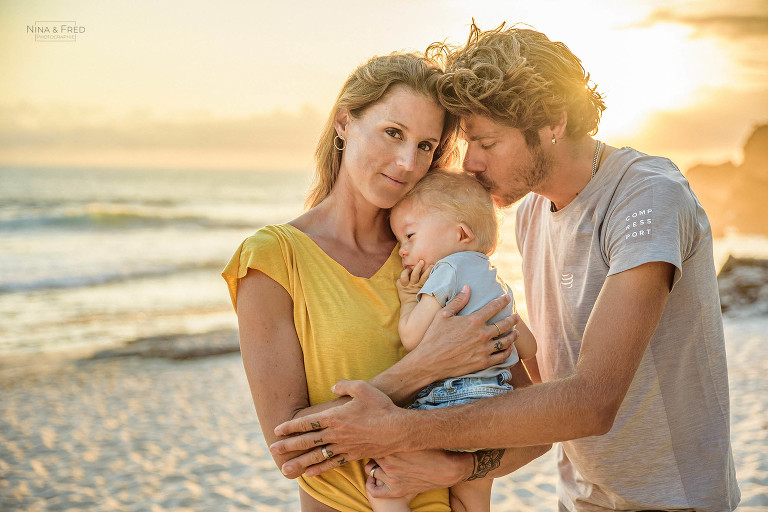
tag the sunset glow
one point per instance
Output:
(248, 84)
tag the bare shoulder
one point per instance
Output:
(309, 222)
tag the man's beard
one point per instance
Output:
(531, 177)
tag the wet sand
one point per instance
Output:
(152, 434)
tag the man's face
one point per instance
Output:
(501, 160)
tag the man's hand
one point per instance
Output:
(369, 425)
(411, 281)
(404, 474)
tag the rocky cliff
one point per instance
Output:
(736, 196)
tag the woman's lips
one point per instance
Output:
(393, 180)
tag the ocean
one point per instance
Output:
(99, 257)
(91, 258)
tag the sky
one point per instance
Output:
(247, 84)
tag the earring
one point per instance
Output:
(554, 140)
(343, 143)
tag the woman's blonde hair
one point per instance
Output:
(518, 78)
(460, 196)
(364, 87)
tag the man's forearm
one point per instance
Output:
(536, 415)
(499, 462)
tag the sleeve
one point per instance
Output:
(442, 283)
(653, 219)
(266, 251)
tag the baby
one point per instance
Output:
(448, 222)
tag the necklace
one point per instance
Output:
(596, 158)
(595, 161)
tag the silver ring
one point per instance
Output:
(325, 453)
(372, 471)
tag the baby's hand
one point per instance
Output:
(411, 281)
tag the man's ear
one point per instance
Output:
(341, 121)
(466, 235)
(555, 131)
(558, 129)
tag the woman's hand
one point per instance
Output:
(405, 474)
(458, 345)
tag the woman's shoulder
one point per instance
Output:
(270, 250)
(272, 246)
(270, 235)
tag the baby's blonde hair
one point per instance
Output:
(462, 197)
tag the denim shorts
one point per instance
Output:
(461, 390)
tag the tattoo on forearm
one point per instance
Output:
(315, 424)
(342, 461)
(485, 462)
(318, 441)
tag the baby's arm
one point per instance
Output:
(415, 315)
(525, 343)
(526, 349)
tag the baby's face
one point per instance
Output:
(424, 234)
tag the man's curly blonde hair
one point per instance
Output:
(518, 78)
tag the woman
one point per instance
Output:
(316, 298)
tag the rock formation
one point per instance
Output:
(743, 285)
(735, 196)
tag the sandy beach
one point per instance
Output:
(138, 433)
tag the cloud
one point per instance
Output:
(722, 25)
(710, 131)
(38, 133)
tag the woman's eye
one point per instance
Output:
(488, 146)
(394, 133)
(425, 146)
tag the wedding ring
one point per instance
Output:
(497, 328)
(326, 454)
(372, 471)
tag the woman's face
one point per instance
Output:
(390, 146)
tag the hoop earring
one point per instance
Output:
(554, 140)
(343, 143)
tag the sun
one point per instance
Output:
(647, 70)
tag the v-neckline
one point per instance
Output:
(342, 267)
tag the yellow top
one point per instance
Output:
(347, 328)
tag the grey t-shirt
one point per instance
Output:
(473, 268)
(669, 446)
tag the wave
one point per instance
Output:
(110, 216)
(100, 279)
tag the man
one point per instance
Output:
(621, 292)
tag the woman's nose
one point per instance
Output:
(407, 159)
